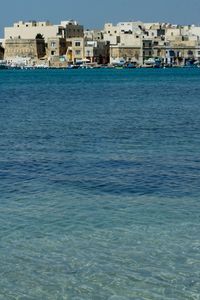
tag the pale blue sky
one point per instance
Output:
(93, 14)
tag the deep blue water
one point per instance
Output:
(100, 184)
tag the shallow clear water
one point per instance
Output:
(100, 184)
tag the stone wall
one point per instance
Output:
(32, 48)
(129, 54)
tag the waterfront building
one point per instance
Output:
(22, 40)
(72, 29)
(125, 41)
(56, 47)
(29, 30)
(97, 51)
(24, 48)
(127, 54)
(56, 52)
(75, 50)
(135, 42)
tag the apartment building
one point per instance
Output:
(94, 35)
(97, 51)
(125, 41)
(76, 50)
(56, 47)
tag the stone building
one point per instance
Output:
(147, 46)
(56, 47)
(75, 50)
(56, 52)
(29, 30)
(128, 54)
(94, 35)
(72, 29)
(126, 41)
(97, 51)
(24, 48)
(21, 39)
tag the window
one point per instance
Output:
(53, 44)
(52, 52)
(78, 52)
(199, 52)
(77, 44)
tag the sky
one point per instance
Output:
(93, 13)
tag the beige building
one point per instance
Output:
(24, 48)
(97, 52)
(56, 52)
(22, 40)
(128, 54)
(29, 30)
(76, 50)
(122, 32)
(93, 35)
(56, 47)
(127, 40)
(72, 29)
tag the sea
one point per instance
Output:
(100, 184)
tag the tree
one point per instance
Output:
(39, 36)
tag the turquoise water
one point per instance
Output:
(100, 184)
